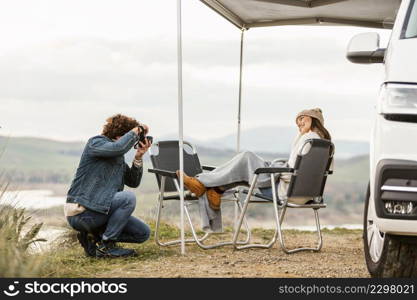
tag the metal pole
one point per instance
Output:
(242, 35)
(180, 123)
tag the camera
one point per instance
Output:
(142, 137)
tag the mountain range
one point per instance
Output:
(271, 140)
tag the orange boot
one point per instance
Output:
(193, 185)
(214, 198)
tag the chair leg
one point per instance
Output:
(200, 243)
(196, 239)
(245, 207)
(245, 224)
(319, 238)
(158, 220)
(173, 242)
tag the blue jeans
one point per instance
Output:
(118, 225)
(267, 192)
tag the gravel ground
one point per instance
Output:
(341, 256)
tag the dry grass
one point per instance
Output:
(341, 256)
(16, 236)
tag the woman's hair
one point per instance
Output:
(320, 129)
(118, 125)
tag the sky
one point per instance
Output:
(65, 66)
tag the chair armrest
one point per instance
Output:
(163, 173)
(208, 168)
(273, 170)
(280, 160)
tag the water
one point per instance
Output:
(32, 199)
(41, 199)
(330, 227)
(37, 199)
(270, 224)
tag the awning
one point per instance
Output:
(247, 14)
(262, 13)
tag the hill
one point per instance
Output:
(33, 163)
(274, 140)
(28, 159)
(44, 160)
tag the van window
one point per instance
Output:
(410, 28)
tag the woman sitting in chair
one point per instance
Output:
(240, 169)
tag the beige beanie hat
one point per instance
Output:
(314, 113)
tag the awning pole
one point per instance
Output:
(242, 35)
(180, 123)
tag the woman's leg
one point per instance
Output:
(267, 192)
(240, 168)
(229, 186)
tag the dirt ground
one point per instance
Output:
(341, 256)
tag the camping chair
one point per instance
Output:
(165, 161)
(308, 178)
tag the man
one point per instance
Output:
(96, 204)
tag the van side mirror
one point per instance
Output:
(364, 48)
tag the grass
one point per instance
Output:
(66, 258)
(337, 230)
(340, 230)
(16, 237)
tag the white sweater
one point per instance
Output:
(285, 178)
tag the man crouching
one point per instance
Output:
(96, 204)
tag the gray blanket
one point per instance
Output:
(239, 169)
(211, 220)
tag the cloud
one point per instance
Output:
(67, 79)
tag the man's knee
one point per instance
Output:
(146, 232)
(129, 199)
(143, 233)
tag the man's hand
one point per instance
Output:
(137, 130)
(144, 146)
(145, 127)
(142, 149)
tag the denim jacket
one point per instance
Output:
(102, 172)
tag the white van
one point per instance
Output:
(390, 215)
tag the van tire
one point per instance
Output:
(401, 258)
(399, 253)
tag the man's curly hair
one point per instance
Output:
(118, 125)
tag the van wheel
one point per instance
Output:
(387, 255)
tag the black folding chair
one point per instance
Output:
(165, 161)
(308, 178)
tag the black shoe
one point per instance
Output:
(88, 242)
(110, 249)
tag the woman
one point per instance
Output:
(240, 169)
